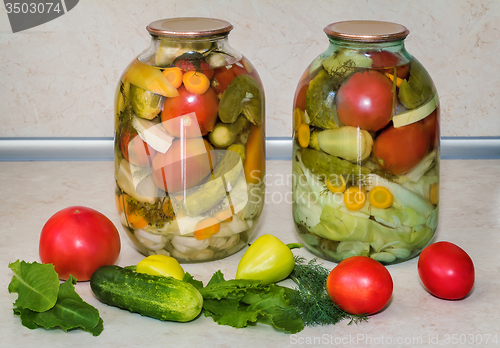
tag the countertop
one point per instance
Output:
(469, 217)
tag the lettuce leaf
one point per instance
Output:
(37, 285)
(242, 302)
(67, 312)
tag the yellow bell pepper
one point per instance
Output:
(161, 265)
(150, 78)
(267, 259)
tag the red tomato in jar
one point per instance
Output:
(360, 285)
(190, 115)
(446, 270)
(399, 150)
(135, 150)
(299, 100)
(77, 241)
(225, 75)
(222, 79)
(431, 125)
(300, 97)
(389, 60)
(365, 100)
(185, 164)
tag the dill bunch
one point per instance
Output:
(310, 298)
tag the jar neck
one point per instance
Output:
(393, 46)
(163, 50)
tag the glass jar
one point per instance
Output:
(366, 147)
(189, 143)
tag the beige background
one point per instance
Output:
(59, 79)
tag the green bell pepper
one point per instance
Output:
(267, 259)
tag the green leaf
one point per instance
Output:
(44, 302)
(418, 89)
(320, 100)
(217, 277)
(27, 317)
(277, 311)
(241, 302)
(70, 312)
(234, 288)
(37, 285)
(229, 312)
(188, 278)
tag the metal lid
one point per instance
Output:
(189, 27)
(366, 31)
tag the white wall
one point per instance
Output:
(59, 79)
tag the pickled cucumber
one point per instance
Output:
(245, 96)
(321, 163)
(225, 134)
(146, 104)
(225, 175)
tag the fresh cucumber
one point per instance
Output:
(159, 297)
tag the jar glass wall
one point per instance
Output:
(366, 147)
(189, 143)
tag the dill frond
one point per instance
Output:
(310, 298)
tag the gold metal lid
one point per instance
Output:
(366, 31)
(189, 27)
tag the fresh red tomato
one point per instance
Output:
(389, 60)
(77, 241)
(365, 100)
(431, 125)
(189, 113)
(446, 270)
(185, 164)
(360, 285)
(135, 150)
(399, 150)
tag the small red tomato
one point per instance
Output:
(446, 271)
(224, 76)
(365, 100)
(398, 150)
(388, 61)
(190, 114)
(360, 285)
(77, 241)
